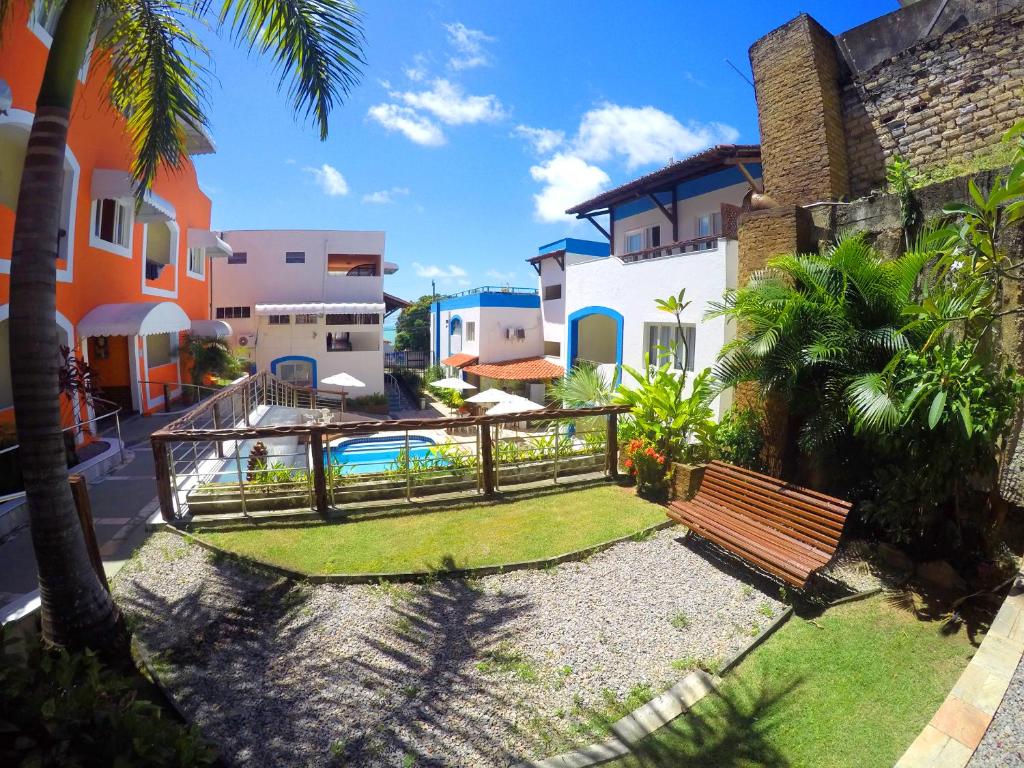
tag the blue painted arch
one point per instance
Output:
(574, 334)
(453, 322)
(296, 358)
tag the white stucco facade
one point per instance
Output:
(492, 333)
(306, 304)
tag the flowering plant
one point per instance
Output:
(649, 467)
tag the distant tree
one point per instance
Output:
(412, 331)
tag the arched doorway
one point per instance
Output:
(595, 335)
(455, 335)
(295, 369)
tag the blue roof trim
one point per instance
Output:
(687, 189)
(576, 245)
(515, 300)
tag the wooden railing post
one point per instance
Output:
(316, 448)
(488, 458)
(167, 398)
(162, 472)
(80, 493)
(613, 445)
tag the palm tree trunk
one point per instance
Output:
(76, 610)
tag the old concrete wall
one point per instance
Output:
(943, 100)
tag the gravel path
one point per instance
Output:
(457, 672)
(1002, 746)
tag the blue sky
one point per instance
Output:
(477, 123)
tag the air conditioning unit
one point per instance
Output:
(509, 333)
(520, 333)
(247, 340)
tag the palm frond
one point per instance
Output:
(155, 81)
(872, 403)
(315, 44)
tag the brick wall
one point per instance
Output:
(941, 101)
(803, 150)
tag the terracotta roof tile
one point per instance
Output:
(528, 369)
(460, 359)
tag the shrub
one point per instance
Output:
(367, 401)
(650, 468)
(64, 709)
(411, 380)
(739, 438)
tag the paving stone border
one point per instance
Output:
(956, 729)
(415, 576)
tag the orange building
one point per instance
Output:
(130, 282)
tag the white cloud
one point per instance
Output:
(643, 135)
(435, 271)
(330, 180)
(385, 196)
(447, 102)
(414, 126)
(567, 181)
(502, 277)
(469, 46)
(417, 71)
(543, 140)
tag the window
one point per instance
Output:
(358, 319)
(642, 239)
(238, 257)
(553, 348)
(232, 313)
(294, 257)
(279, 319)
(112, 223)
(46, 15)
(552, 292)
(471, 331)
(664, 344)
(161, 349)
(197, 261)
(306, 319)
(708, 225)
(299, 372)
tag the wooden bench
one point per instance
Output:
(782, 529)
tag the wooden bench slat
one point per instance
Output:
(770, 565)
(815, 536)
(765, 536)
(780, 494)
(784, 530)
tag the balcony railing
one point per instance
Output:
(493, 289)
(696, 245)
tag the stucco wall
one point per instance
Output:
(491, 344)
(631, 289)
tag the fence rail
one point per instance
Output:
(207, 462)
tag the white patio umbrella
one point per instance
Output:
(515, 405)
(452, 383)
(342, 380)
(491, 395)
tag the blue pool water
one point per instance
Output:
(376, 454)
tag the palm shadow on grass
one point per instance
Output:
(268, 681)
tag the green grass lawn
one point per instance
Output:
(853, 687)
(526, 528)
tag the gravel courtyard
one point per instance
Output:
(456, 672)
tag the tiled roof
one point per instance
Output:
(460, 359)
(703, 162)
(528, 369)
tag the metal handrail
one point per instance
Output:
(79, 425)
(492, 289)
(166, 385)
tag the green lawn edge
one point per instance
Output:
(502, 533)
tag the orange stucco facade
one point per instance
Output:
(94, 273)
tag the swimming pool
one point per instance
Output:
(363, 455)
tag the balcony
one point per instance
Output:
(696, 245)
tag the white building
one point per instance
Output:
(493, 337)
(306, 304)
(674, 228)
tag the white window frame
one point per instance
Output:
(713, 222)
(175, 246)
(550, 286)
(293, 254)
(307, 318)
(46, 37)
(95, 241)
(189, 254)
(23, 120)
(672, 330)
(641, 233)
(470, 330)
(279, 319)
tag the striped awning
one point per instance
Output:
(210, 329)
(204, 238)
(118, 185)
(321, 308)
(143, 318)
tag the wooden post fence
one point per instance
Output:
(80, 493)
(613, 445)
(162, 473)
(316, 447)
(487, 455)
